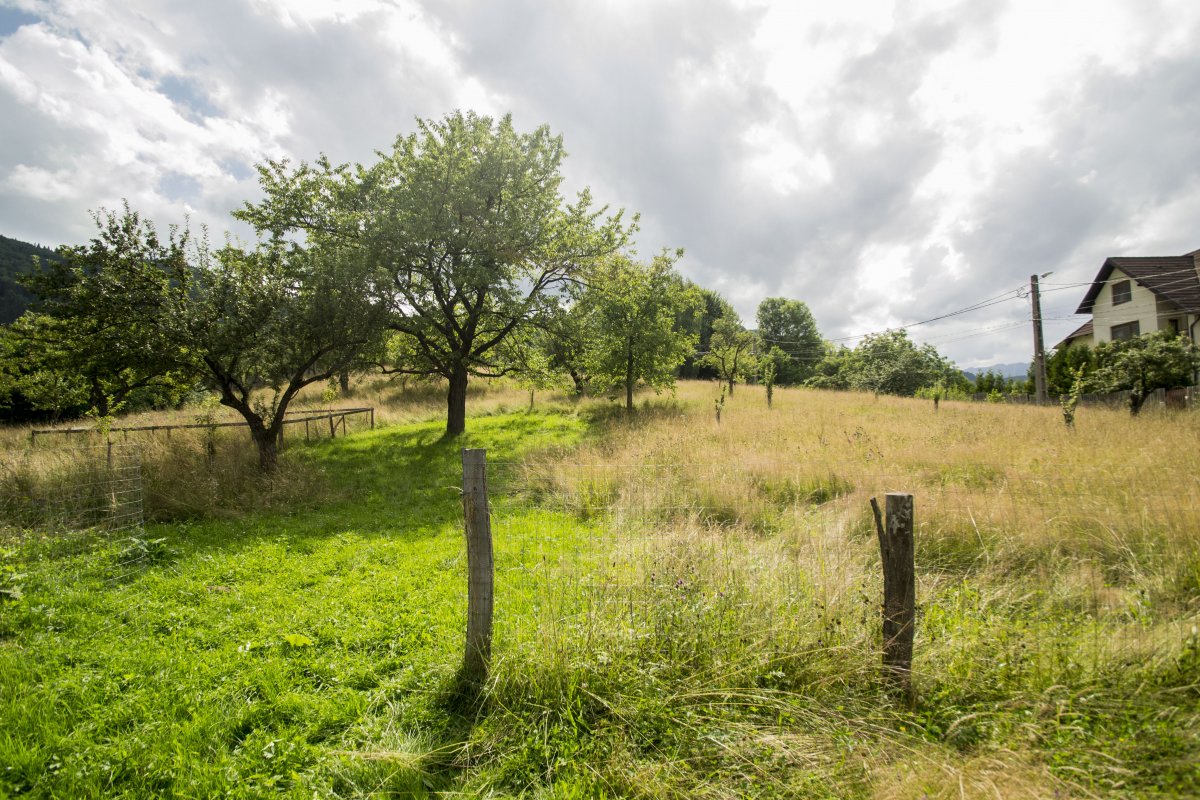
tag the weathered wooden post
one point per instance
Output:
(899, 589)
(480, 573)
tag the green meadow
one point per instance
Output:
(684, 609)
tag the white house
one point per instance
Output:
(1132, 296)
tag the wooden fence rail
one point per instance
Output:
(335, 416)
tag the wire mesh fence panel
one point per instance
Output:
(96, 490)
(71, 519)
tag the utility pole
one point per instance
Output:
(1039, 347)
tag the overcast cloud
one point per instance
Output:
(884, 162)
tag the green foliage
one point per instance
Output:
(988, 381)
(268, 322)
(1063, 364)
(1140, 365)
(464, 223)
(11, 576)
(789, 325)
(731, 352)
(699, 322)
(145, 550)
(1070, 400)
(111, 317)
(769, 371)
(885, 363)
(630, 313)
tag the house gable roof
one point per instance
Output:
(1083, 330)
(1173, 278)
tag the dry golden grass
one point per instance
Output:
(201, 472)
(1056, 568)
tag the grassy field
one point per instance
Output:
(684, 609)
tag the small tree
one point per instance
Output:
(769, 370)
(629, 314)
(890, 363)
(1070, 400)
(1142, 364)
(699, 321)
(1064, 363)
(731, 351)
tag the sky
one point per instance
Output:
(887, 163)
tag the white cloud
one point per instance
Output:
(884, 161)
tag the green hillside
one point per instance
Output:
(16, 258)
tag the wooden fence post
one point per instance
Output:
(899, 589)
(480, 574)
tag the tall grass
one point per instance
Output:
(205, 473)
(684, 609)
(733, 565)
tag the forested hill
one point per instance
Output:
(16, 258)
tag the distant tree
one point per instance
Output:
(464, 222)
(109, 317)
(1063, 364)
(731, 351)
(1140, 365)
(886, 363)
(789, 325)
(699, 322)
(989, 381)
(630, 313)
(832, 371)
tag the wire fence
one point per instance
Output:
(81, 508)
(690, 560)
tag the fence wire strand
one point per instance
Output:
(776, 556)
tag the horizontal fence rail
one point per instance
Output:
(335, 417)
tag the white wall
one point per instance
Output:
(1142, 306)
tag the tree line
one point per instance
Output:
(453, 255)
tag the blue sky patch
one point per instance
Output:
(11, 19)
(188, 94)
(179, 188)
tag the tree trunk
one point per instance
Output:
(344, 382)
(267, 441)
(730, 387)
(99, 399)
(1136, 398)
(629, 381)
(456, 402)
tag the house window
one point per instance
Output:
(1126, 331)
(1173, 326)
(1122, 293)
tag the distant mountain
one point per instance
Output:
(16, 258)
(1007, 370)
